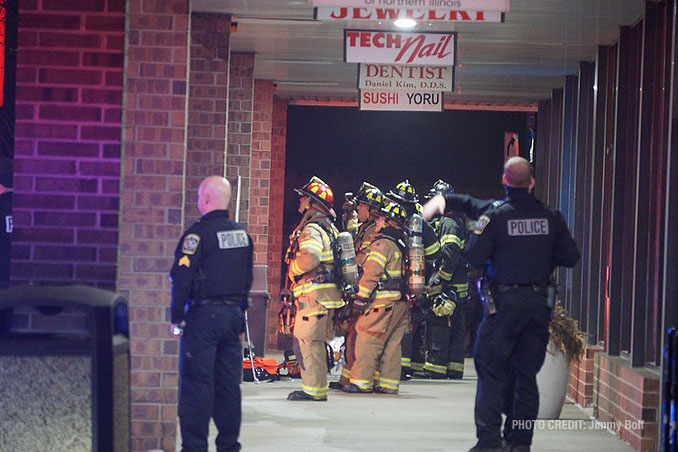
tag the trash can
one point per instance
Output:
(256, 314)
(68, 389)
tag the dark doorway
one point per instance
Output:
(345, 146)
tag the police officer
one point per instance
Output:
(314, 287)
(519, 242)
(384, 312)
(212, 276)
(414, 342)
(445, 330)
(368, 201)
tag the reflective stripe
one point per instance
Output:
(405, 362)
(435, 368)
(332, 304)
(417, 366)
(432, 249)
(451, 238)
(346, 373)
(314, 392)
(310, 287)
(435, 290)
(389, 384)
(294, 268)
(364, 292)
(456, 366)
(395, 274)
(387, 294)
(311, 245)
(362, 384)
(444, 275)
(376, 257)
(327, 256)
(461, 287)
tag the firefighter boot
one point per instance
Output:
(354, 389)
(301, 396)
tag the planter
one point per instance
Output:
(553, 380)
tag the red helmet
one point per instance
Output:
(319, 192)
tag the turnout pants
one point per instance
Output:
(379, 333)
(312, 327)
(210, 370)
(509, 351)
(445, 344)
(349, 352)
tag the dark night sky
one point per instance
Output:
(345, 146)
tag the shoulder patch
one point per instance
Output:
(481, 224)
(190, 244)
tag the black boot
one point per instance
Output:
(354, 389)
(301, 396)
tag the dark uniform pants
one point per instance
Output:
(211, 369)
(509, 351)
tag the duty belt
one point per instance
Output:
(525, 288)
(214, 301)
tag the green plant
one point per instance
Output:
(566, 335)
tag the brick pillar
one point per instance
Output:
(276, 242)
(151, 216)
(208, 88)
(239, 139)
(260, 169)
(68, 133)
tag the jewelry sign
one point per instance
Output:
(463, 5)
(430, 15)
(370, 46)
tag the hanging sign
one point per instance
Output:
(463, 5)
(378, 100)
(430, 15)
(370, 46)
(402, 77)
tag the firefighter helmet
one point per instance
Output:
(373, 197)
(396, 212)
(404, 192)
(440, 188)
(319, 192)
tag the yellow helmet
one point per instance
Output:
(396, 212)
(404, 192)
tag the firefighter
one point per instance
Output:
(314, 287)
(445, 332)
(413, 355)
(384, 312)
(368, 201)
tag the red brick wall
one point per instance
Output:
(153, 197)
(68, 134)
(208, 89)
(582, 378)
(239, 139)
(260, 170)
(276, 242)
(629, 397)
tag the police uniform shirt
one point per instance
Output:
(213, 260)
(521, 241)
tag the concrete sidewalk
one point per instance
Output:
(427, 415)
